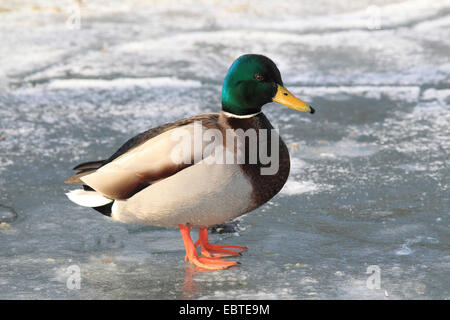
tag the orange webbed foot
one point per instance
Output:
(215, 250)
(208, 263)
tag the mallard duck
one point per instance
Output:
(144, 182)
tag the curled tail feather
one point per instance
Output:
(84, 169)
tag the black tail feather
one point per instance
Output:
(105, 210)
(89, 165)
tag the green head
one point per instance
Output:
(252, 81)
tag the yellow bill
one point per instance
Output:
(284, 97)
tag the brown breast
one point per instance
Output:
(265, 186)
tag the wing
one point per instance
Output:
(146, 159)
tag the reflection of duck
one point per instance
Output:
(191, 288)
(141, 183)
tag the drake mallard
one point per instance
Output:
(157, 180)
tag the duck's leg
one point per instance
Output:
(214, 250)
(201, 262)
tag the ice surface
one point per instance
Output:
(369, 183)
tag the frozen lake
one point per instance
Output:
(369, 183)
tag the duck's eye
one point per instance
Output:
(259, 77)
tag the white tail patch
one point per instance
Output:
(85, 198)
(114, 210)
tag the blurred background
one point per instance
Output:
(369, 183)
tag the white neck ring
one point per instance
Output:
(232, 115)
